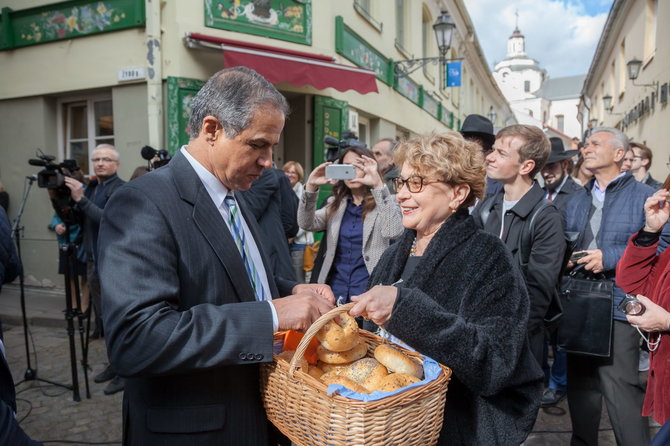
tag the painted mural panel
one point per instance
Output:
(289, 20)
(68, 20)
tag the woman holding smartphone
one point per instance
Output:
(361, 218)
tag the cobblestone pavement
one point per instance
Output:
(48, 413)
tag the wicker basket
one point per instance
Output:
(299, 406)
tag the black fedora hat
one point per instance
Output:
(479, 126)
(558, 152)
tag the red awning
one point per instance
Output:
(295, 67)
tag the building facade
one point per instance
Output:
(78, 73)
(635, 33)
(535, 97)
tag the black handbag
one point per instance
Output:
(586, 326)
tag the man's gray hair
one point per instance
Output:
(393, 144)
(231, 96)
(620, 141)
(108, 147)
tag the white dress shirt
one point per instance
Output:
(218, 192)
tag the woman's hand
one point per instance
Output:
(370, 170)
(317, 178)
(656, 211)
(375, 304)
(654, 318)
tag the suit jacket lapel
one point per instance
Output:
(209, 222)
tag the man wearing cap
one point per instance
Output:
(479, 130)
(559, 187)
(518, 154)
(558, 184)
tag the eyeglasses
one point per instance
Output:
(414, 183)
(103, 160)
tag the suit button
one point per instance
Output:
(258, 357)
(242, 356)
(250, 356)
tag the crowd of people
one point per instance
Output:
(453, 244)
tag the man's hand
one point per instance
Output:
(318, 288)
(76, 188)
(60, 229)
(375, 304)
(593, 260)
(656, 211)
(655, 317)
(299, 311)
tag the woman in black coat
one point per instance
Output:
(452, 292)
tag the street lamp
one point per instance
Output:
(607, 102)
(492, 115)
(444, 28)
(634, 65)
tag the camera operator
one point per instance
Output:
(91, 201)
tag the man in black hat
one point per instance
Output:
(558, 184)
(479, 130)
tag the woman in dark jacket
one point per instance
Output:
(452, 291)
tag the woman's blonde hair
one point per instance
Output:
(298, 169)
(446, 156)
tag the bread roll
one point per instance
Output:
(328, 367)
(315, 372)
(288, 355)
(357, 352)
(367, 372)
(343, 380)
(395, 381)
(339, 336)
(398, 362)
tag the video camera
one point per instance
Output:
(53, 175)
(334, 146)
(149, 153)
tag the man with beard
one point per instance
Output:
(558, 184)
(559, 187)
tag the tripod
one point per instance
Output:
(30, 374)
(73, 293)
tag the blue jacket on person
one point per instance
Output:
(623, 216)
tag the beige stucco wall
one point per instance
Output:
(35, 78)
(653, 127)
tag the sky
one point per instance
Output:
(561, 35)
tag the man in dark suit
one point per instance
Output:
(275, 206)
(190, 304)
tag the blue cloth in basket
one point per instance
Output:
(431, 370)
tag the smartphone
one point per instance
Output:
(340, 172)
(577, 255)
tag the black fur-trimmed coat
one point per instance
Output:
(466, 306)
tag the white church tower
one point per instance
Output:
(534, 97)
